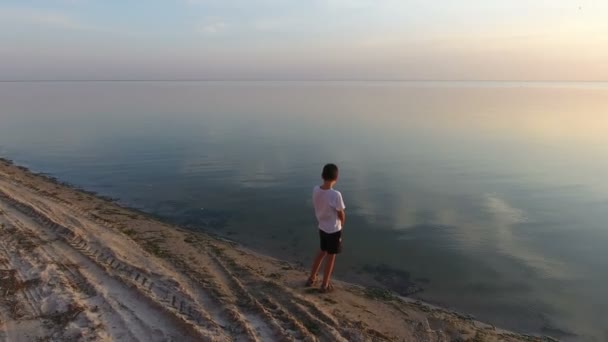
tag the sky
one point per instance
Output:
(304, 39)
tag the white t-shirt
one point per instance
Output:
(327, 203)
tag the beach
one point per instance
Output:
(76, 266)
(159, 162)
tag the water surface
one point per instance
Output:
(491, 197)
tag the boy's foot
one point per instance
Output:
(326, 288)
(310, 282)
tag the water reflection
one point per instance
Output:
(491, 198)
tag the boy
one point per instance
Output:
(329, 209)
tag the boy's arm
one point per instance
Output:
(339, 205)
(341, 217)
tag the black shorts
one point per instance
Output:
(331, 243)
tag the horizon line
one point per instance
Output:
(292, 80)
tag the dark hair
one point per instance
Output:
(330, 172)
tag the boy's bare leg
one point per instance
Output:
(329, 268)
(317, 264)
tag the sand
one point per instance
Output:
(74, 266)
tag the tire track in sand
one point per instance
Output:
(299, 313)
(146, 318)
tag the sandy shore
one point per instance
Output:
(77, 267)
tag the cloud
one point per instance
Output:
(212, 27)
(230, 3)
(354, 4)
(43, 18)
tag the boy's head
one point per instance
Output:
(330, 172)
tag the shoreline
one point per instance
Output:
(217, 288)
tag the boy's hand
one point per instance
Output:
(341, 217)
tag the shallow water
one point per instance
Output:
(491, 197)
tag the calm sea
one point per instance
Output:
(489, 198)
